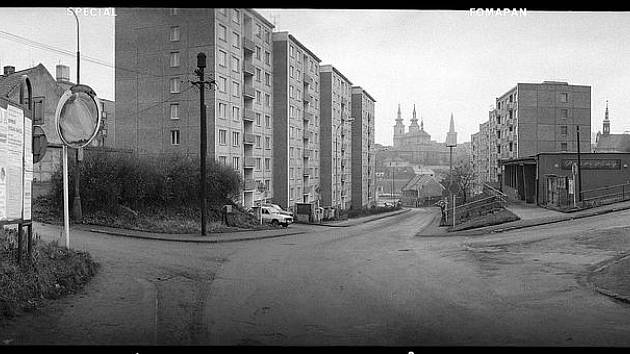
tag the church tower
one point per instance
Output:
(413, 127)
(399, 129)
(606, 130)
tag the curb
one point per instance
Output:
(122, 234)
(362, 222)
(604, 291)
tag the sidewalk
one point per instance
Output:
(221, 237)
(612, 279)
(530, 216)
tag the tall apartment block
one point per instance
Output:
(335, 138)
(533, 118)
(157, 108)
(296, 122)
(363, 158)
(483, 157)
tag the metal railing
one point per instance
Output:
(606, 195)
(474, 209)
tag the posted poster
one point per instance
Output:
(28, 168)
(15, 172)
(3, 164)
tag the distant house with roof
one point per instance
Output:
(47, 90)
(607, 142)
(421, 190)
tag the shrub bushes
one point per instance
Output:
(111, 180)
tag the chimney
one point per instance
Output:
(63, 72)
(8, 70)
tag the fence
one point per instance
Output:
(468, 211)
(605, 195)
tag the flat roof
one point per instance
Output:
(326, 67)
(365, 92)
(260, 17)
(290, 36)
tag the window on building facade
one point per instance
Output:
(258, 145)
(235, 139)
(267, 164)
(222, 108)
(563, 129)
(258, 51)
(222, 58)
(222, 84)
(175, 137)
(236, 40)
(563, 147)
(267, 36)
(267, 100)
(267, 121)
(564, 113)
(235, 161)
(258, 119)
(222, 33)
(223, 160)
(290, 70)
(235, 64)
(38, 109)
(267, 142)
(174, 111)
(267, 79)
(564, 97)
(222, 137)
(236, 113)
(174, 34)
(498, 149)
(258, 163)
(236, 89)
(236, 16)
(291, 93)
(267, 58)
(258, 31)
(258, 74)
(291, 51)
(175, 85)
(174, 59)
(258, 97)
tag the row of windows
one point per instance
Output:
(237, 142)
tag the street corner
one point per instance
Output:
(611, 278)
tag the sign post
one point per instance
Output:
(78, 119)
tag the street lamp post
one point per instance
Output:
(76, 205)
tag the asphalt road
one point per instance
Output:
(371, 284)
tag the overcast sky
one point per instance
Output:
(441, 61)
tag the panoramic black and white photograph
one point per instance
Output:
(314, 178)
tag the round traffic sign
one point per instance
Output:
(78, 116)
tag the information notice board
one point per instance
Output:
(16, 163)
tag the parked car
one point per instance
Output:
(275, 217)
(279, 209)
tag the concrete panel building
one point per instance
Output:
(535, 118)
(157, 108)
(336, 134)
(296, 94)
(363, 153)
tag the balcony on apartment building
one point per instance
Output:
(249, 185)
(249, 139)
(308, 80)
(308, 114)
(248, 68)
(308, 98)
(249, 45)
(248, 90)
(249, 162)
(306, 172)
(249, 115)
(306, 154)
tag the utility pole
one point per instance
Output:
(77, 212)
(201, 65)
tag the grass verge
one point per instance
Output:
(52, 272)
(175, 221)
(496, 218)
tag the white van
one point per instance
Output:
(275, 217)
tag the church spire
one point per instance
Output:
(451, 136)
(606, 121)
(413, 127)
(399, 114)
